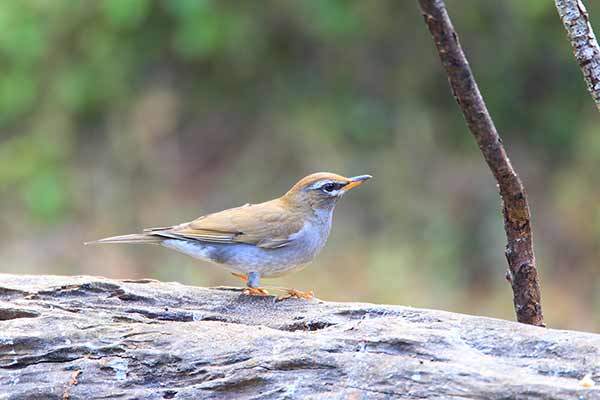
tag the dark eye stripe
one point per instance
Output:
(330, 187)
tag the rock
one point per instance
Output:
(95, 338)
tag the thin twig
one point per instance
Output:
(585, 46)
(522, 272)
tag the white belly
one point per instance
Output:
(244, 258)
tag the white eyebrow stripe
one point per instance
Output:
(320, 183)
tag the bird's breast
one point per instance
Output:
(243, 258)
(311, 238)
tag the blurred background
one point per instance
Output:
(118, 115)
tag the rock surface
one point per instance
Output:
(95, 338)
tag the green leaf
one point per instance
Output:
(128, 14)
(45, 195)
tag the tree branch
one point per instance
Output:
(585, 47)
(522, 272)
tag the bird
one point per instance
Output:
(263, 240)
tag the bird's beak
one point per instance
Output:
(356, 181)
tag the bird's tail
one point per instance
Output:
(132, 238)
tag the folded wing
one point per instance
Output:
(265, 225)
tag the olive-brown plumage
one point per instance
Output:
(254, 240)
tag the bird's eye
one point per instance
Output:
(329, 187)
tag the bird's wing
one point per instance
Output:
(265, 225)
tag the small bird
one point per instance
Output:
(267, 239)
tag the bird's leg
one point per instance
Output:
(252, 280)
(297, 295)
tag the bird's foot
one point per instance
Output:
(252, 291)
(296, 294)
(255, 291)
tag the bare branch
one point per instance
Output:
(519, 250)
(585, 46)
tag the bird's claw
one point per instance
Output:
(255, 291)
(296, 294)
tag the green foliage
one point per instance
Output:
(334, 19)
(126, 15)
(44, 194)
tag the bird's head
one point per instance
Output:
(322, 189)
